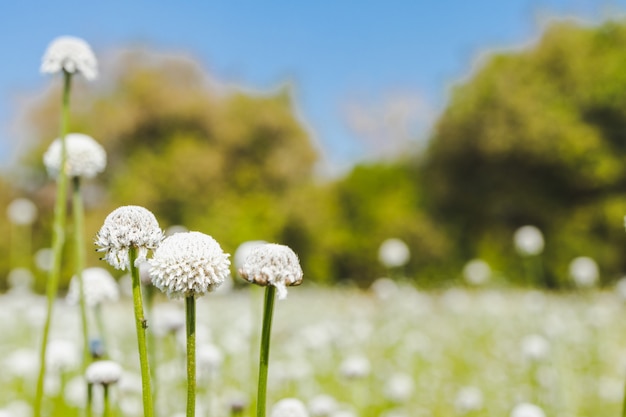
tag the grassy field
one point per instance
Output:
(393, 352)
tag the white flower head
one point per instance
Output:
(355, 366)
(527, 410)
(535, 347)
(70, 54)
(187, 264)
(99, 287)
(399, 388)
(468, 399)
(528, 241)
(103, 372)
(62, 355)
(272, 264)
(126, 227)
(393, 253)
(84, 158)
(243, 250)
(584, 271)
(477, 272)
(22, 211)
(289, 407)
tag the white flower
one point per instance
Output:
(126, 227)
(322, 405)
(103, 372)
(535, 347)
(584, 271)
(528, 240)
(289, 407)
(272, 264)
(99, 286)
(62, 355)
(84, 156)
(209, 359)
(527, 410)
(72, 55)
(22, 211)
(187, 264)
(399, 387)
(243, 250)
(355, 366)
(477, 272)
(393, 253)
(468, 399)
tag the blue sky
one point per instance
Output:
(368, 76)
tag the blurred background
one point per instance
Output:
(334, 127)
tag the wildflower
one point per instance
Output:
(126, 227)
(85, 157)
(188, 264)
(103, 372)
(71, 55)
(528, 241)
(527, 410)
(289, 407)
(477, 272)
(356, 366)
(272, 264)
(209, 361)
(244, 250)
(399, 388)
(98, 286)
(322, 405)
(22, 211)
(535, 347)
(62, 355)
(393, 253)
(468, 399)
(584, 271)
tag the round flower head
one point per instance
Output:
(190, 263)
(393, 253)
(126, 227)
(85, 157)
(289, 407)
(98, 286)
(103, 372)
(528, 241)
(272, 264)
(527, 410)
(477, 272)
(584, 271)
(72, 55)
(22, 211)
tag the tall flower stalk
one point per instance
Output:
(79, 254)
(275, 267)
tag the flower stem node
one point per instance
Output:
(189, 264)
(126, 227)
(272, 264)
(72, 55)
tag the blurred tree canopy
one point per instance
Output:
(538, 137)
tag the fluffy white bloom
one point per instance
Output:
(528, 240)
(477, 272)
(468, 399)
(190, 263)
(67, 53)
(103, 372)
(22, 211)
(272, 264)
(62, 355)
(527, 410)
(289, 407)
(584, 271)
(84, 156)
(399, 387)
(355, 366)
(244, 250)
(322, 405)
(99, 286)
(126, 227)
(393, 253)
(535, 347)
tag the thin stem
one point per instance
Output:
(89, 399)
(268, 310)
(141, 325)
(152, 354)
(107, 407)
(190, 309)
(79, 255)
(58, 240)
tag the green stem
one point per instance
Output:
(89, 400)
(141, 325)
(107, 407)
(190, 309)
(152, 354)
(264, 356)
(79, 254)
(58, 240)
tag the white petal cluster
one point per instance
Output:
(103, 372)
(126, 227)
(272, 264)
(528, 241)
(22, 211)
(394, 253)
(289, 407)
(70, 54)
(84, 156)
(99, 287)
(189, 263)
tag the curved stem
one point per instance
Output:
(190, 309)
(141, 324)
(58, 240)
(268, 310)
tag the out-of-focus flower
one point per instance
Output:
(103, 372)
(62, 355)
(84, 158)
(272, 264)
(477, 272)
(167, 318)
(99, 287)
(20, 279)
(468, 399)
(44, 258)
(584, 271)
(70, 54)
(527, 410)
(126, 227)
(289, 407)
(322, 405)
(399, 387)
(209, 359)
(394, 253)
(528, 241)
(189, 264)
(535, 347)
(384, 288)
(354, 367)
(22, 211)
